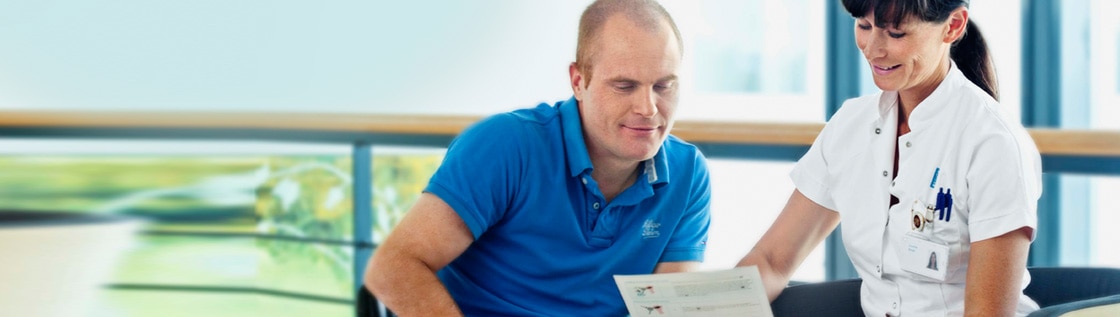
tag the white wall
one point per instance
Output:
(429, 56)
(470, 57)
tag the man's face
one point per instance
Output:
(628, 103)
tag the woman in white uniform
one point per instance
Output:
(937, 189)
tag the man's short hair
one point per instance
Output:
(648, 14)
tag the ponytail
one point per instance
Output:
(971, 55)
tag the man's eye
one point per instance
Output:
(663, 86)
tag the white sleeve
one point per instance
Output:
(1004, 182)
(810, 174)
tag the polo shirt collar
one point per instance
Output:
(572, 130)
(654, 170)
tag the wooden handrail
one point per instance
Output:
(379, 123)
(1049, 141)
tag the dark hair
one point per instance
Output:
(970, 52)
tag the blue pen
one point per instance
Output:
(934, 180)
(949, 203)
(941, 202)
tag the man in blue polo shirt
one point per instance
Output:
(533, 211)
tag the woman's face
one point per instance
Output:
(912, 54)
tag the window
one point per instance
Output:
(224, 219)
(752, 60)
(1103, 233)
(746, 198)
(449, 57)
(400, 174)
(1003, 32)
(1104, 56)
(1104, 87)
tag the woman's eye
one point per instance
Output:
(864, 26)
(896, 35)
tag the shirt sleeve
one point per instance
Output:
(810, 174)
(478, 174)
(1004, 183)
(690, 238)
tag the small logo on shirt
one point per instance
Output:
(651, 229)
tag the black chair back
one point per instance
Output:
(369, 306)
(1049, 287)
(1059, 285)
(835, 298)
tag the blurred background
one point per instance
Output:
(267, 227)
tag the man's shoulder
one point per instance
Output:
(540, 115)
(516, 130)
(683, 157)
(674, 146)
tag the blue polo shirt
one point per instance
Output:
(546, 241)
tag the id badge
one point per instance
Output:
(924, 257)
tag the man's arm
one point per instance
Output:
(402, 273)
(995, 269)
(801, 226)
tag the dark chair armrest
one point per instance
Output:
(1059, 285)
(1058, 310)
(369, 306)
(834, 298)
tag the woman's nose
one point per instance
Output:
(873, 45)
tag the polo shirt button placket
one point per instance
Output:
(595, 205)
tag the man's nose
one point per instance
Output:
(646, 103)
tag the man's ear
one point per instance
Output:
(958, 23)
(576, 79)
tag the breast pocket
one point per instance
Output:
(950, 227)
(948, 215)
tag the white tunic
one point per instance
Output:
(987, 162)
